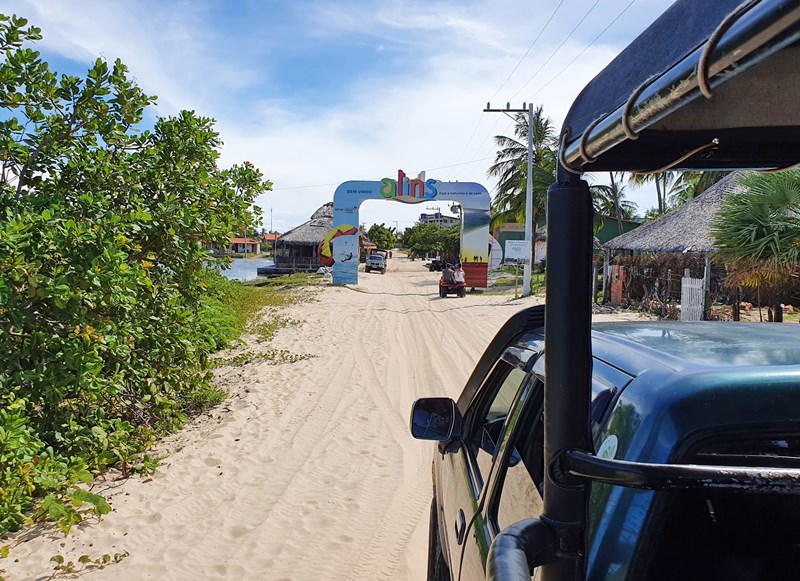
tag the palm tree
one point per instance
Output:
(673, 188)
(511, 167)
(696, 182)
(668, 185)
(609, 200)
(758, 233)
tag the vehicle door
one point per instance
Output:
(512, 491)
(465, 472)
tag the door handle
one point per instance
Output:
(461, 526)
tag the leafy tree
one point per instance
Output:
(511, 170)
(105, 329)
(609, 200)
(757, 232)
(425, 238)
(384, 237)
(671, 187)
(451, 243)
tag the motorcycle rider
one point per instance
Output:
(458, 273)
(447, 274)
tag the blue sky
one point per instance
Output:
(319, 92)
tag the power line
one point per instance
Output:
(477, 149)
(527, 51)
(563, 42)
(305, 187)
(585, 16)
(503, 84)
(580, 54)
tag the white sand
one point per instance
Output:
(308, 470)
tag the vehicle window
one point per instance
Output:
(488, 430)
(518, 494)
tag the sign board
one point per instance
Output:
(517, 252)
(340, 247)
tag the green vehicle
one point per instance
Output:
(699, 394)
(644, 451)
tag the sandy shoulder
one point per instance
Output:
(307, 471)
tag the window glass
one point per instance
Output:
(519, 492)
(489, 429)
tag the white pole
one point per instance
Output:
(526, 273)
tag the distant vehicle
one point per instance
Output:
(375, 262)
(706, 394)
(452, 288)
(436, 265)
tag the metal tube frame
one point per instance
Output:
(759, 33)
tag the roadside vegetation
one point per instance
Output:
(108, 313)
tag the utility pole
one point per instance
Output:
(526, 279)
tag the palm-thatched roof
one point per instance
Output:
(313, 231)
(687, 229)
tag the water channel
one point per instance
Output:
(245, 268)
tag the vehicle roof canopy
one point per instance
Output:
(647, 109)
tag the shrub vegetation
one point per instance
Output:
(107, 310)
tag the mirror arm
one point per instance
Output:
(518, 549)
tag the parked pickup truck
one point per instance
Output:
(375, 262)
(696, 394)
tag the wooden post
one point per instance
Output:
(595, 265)
(606, 275)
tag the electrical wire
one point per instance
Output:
(580, 54)
(563, 42)
(503, 84)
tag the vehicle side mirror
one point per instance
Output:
(435, 418)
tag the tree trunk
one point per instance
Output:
(616, 203)
(658, 195)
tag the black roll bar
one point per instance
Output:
(764, 480)
(568, 364)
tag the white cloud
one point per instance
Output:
(452, 58)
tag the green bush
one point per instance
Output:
(107, 311)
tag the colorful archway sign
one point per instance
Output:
(341, 244)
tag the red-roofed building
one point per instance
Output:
(244, 246)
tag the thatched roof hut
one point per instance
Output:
(313, 231)
(687, 229)
(298, 247)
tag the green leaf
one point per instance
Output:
(99, 503)
(84, 559)
(46, 215)
(57, 559)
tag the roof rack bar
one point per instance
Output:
(764, 480)
(754, 36)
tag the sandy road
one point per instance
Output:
(308, 470)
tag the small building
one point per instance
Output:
(439, 219)
(297, 249)
(268, 240)
(514, 231)
(686, 229)
(244, 246)
(684, 233)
